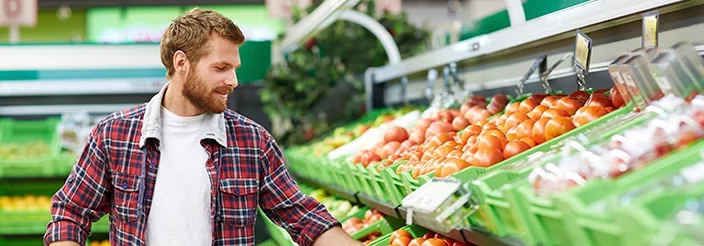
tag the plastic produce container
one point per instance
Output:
(26, 132)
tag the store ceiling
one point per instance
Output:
(80, 4)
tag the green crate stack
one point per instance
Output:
(24, 133)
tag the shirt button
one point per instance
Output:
(148, 196)
(70, 180)
(124, 184)
(152, 166)
(237, 192)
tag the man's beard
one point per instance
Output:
(199, 95)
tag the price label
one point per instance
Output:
(582, 51)
(650, 29)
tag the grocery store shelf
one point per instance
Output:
(473, 236)
(81, 87)
(383, 207)
(332, 189)
(544, 29)
(60, 109)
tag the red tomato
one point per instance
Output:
(599, 99)
(489, 142)
(538, 97)
(616, 98)
(529, 141)
(401, 241)
(569, 105)
(588, 114)
(429, 235)
(525, 129)
(537, 112)
(527, 105)
(399, 233)
(514, 119)
(512, 108)
(539, 130)
(416, 242)
(395, 133)
(459, 123)
(417, 136)
(511, 134)
(423, 124)
(482, 114)
(554, 112)
(581, 96)
(437, 127)
(487, 157)
(558, 126)
(550, 101)
(451, 166)
(434, 242)
(514, 148)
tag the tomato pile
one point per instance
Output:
(355, 224)
(451, 140)
(402, 237)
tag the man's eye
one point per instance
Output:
(220, 69)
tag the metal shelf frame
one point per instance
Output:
(591, 16)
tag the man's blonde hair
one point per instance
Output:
(191, 32)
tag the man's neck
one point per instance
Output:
(176, 103)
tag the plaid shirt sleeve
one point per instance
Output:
(281, 200)
(82, 199)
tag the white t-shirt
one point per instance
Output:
(180, 208)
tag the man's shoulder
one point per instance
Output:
(240, 123)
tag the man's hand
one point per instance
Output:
(64, 243)
(336, 236)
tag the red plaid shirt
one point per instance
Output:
(117, 169)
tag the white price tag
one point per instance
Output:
(693, 174)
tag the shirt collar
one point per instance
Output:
(151, 126)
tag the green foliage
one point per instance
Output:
(336, 55)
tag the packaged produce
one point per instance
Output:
(623, 153)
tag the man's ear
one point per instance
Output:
(180, 62)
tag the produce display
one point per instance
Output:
(626, 152)
(338, 208)
(25, 150)
(100, 243)
(402, 237)
(26, 203)
(355, 224)
(451, 140)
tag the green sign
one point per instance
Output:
(146, 24)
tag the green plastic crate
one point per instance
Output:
(23, 222)
(592, 227)
(472, 173)
(414, 230)
(568, 218)
(651, 216)
(496, 212)
(384, 226)
(397, 189)
(26, 132)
